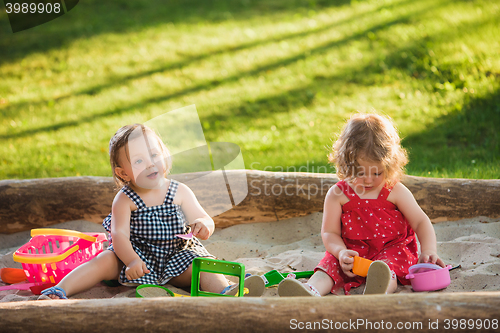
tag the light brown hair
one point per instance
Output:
(119, 141)
(369, 137)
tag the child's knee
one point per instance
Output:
(108, 263)
(106, 257)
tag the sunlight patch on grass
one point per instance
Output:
(277, 78)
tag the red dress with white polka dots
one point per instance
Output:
(377, 230)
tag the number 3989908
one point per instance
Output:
(33, 8)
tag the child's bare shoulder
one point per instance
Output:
(183, 192)
(399, 191)
(122, 201)
(336, 195)
(399, 188)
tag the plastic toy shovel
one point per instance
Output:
(274, 277)
(36, 288)
(187, 236)
(20, 286)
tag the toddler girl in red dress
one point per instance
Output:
(368, 213)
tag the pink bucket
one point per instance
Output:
(429, 277)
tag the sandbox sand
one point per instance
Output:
(295, 245)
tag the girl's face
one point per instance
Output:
(369, 177)
(145, 166)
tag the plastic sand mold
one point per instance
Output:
(12, 275)
(152, 290)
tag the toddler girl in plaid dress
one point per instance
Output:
(368, 213)
(146, 214)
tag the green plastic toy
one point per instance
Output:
(219, 267)
(152, 290)
(274, 277)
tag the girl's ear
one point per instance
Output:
(122, 174)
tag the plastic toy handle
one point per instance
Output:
(62, 232)
(305, 274)
(409, 276)
(34, 258)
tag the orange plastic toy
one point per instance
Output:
(361, 266)
(12, 275)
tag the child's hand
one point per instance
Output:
(136, 269)
(430, 257)
(346, 260)
(199, 229)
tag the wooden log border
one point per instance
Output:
(417, 312)
(272, 196)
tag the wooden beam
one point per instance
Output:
(272, 196)
(35, 203)
(417, 312)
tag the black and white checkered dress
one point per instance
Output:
(152, 234)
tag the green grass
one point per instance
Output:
(278, 78)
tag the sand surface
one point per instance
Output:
(295, 245)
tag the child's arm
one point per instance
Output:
(120, 234)
(201, 223)
(420, 223)
(331, 231)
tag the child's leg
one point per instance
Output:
(322, 282)
(319, 284)
(210, 282)
(106, 266)
(184, 279)
(214, 283)
(393, 285)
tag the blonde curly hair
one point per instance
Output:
(369, 137)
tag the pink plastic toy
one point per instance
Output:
(428, 277)
(52, 253)
(186, 236)
(36, 288)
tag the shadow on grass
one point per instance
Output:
(13, 109)
(94, 17)
(474, 128)
(462, 138)
(471, 133)
(233, 78)
(248, 111)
